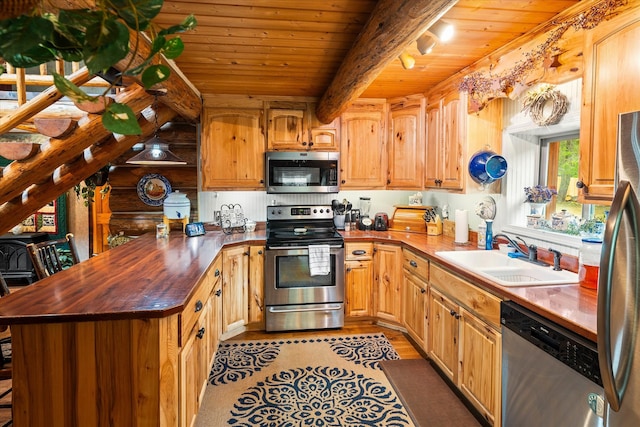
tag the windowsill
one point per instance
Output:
(548, 236)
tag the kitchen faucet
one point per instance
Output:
(532, 250)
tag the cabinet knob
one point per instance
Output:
(348, 269)
(580, 184)
(423, 291)
(260, 252)
(413, 264)
(343, 181)
(452, 312)
(198, 306)
(304, 143)
(246, 254)
(200, 333)
(388, 181)
(219, 292)
(310, 143)
(262, 181)
(217, 273)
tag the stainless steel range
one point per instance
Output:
(299, 295)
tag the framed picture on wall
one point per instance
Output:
(47, 219)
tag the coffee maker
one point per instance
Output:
(365, 222)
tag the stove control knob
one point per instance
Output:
(279, 212)
(316, 211)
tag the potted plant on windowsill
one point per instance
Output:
(33, 33)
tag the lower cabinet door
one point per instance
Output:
(358, 277)
(443, 333)
(480, 366)
(415, 307)
(194, 371)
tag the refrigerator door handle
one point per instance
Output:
(615, 383)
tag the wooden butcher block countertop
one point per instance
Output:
(149, 278)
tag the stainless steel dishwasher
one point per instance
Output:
(550, 375)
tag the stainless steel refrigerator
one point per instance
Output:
(619, 285)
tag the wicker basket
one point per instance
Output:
(14, 8)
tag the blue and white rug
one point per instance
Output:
(327, 381)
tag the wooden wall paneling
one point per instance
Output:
(129, 214)
(96, 390)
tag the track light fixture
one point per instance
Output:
(407, 60)
(442, 30)
(426, 44)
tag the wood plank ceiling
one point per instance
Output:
(294, 47)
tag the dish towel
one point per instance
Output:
(319, 260)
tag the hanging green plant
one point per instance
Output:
(87, 189)
(99, 36)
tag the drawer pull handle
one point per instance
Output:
(218, 292)
(200, 333)
(217, 273)
(198, 306)
(359, 252)
(413, 264)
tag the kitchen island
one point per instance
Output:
(99, 344)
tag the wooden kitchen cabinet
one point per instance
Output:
(232, 149)
(256, 287)
(387, 295)
(465, 339)
(415, 284)
(358, 279)
(480, 365)
(235, 289)
(294, 126)
(201, 328)
(363, 146)
(453, 136)
(610, 87)
(194, 369)
(443, 333)
(406, 146)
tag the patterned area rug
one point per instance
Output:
(328, 381)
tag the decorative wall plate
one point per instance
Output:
(153, 188)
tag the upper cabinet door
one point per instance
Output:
(610, 87)
(363, 150)
(406, 148)
(287, 130)
(232, 149)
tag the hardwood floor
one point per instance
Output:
(401, 343)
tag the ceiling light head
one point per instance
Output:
(426, 43)
(407, 60)
(442, 30)
(156, 152)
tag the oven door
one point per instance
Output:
(288, 280)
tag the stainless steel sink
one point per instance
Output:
(506, 271)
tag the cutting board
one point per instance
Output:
(409, 218)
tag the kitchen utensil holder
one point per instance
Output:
(232, 219)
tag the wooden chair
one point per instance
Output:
(45, 256)
(5, 355)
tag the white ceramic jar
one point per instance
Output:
(177, 206)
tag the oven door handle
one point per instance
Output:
(331, 307)
(280, 248)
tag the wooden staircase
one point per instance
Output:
(76, 144)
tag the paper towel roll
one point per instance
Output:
(462, 226)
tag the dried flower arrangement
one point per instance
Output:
(539, 194)
(482, 88)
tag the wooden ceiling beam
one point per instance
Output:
(392, 26)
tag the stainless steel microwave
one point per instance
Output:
(302, 172)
